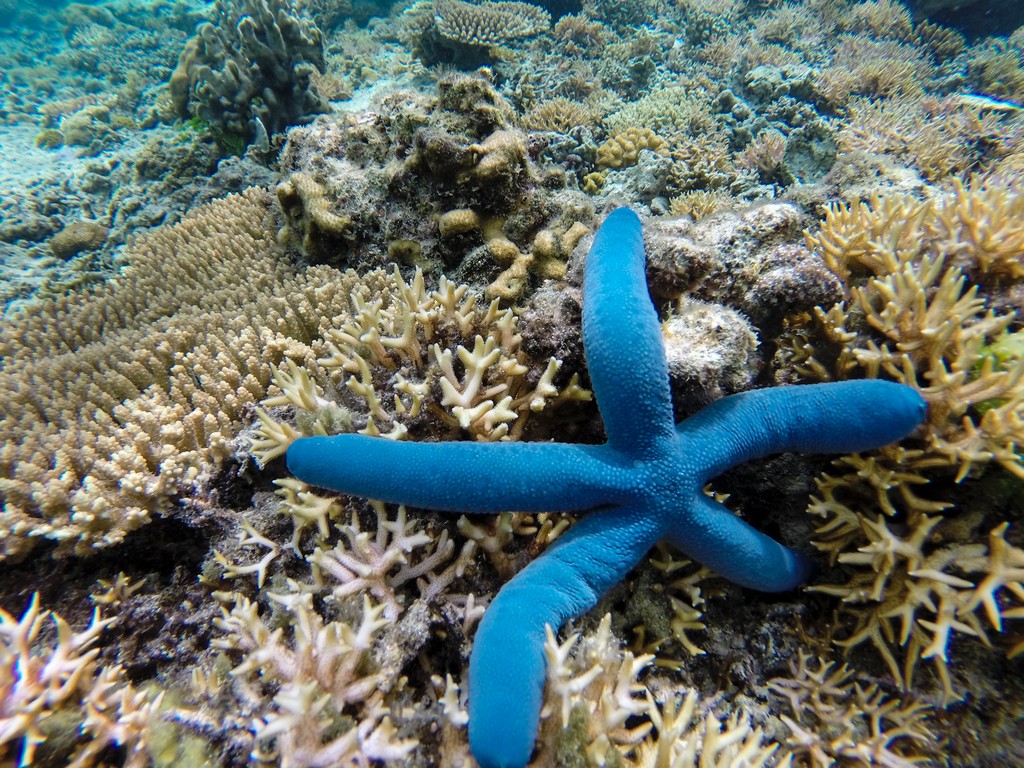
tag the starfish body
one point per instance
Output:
(643, 485)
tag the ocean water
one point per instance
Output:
(226, 226)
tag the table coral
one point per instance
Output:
(645, 484)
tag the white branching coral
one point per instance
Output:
(378, 562)
(681, 739)
(596, 705)
(834, 719)
(41, 684)
(403, 353)
(324, 678)
(595, 681)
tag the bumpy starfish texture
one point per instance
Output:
(643, 485)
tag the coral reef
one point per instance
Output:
(251, 70)
(477, 146)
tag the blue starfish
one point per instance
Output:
(643, 485)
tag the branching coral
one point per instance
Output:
(322, 676)
(396, 353)
(835, 720)
(489, 23)
(596, 705)
(255, 63)
(117, 397)
(918, 572)
(377, 561)
(951, 136)
(43, 685)
(592, 693)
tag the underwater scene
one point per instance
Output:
(497, 383)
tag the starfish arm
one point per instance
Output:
(507, 666)
(461, 477)
(714, 536)
(839, 417)
(623, 343)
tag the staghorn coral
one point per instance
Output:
(948, 137)
(396, 352)
(875, 68)
(57, 685)
(834, 719)
(765, 155)
(118, 397)
(918, 573)
(592, 691)
(322, 673)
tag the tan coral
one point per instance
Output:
(623, 149)
(311, 222)
(399, 345)
(835, 719)
(917, 575)
(117, 397)
(45, 683)
(545, 259)
(489, 23)
(322, 672)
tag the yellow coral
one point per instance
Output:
(917, 575)
(623, 149)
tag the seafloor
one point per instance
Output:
(227, 226)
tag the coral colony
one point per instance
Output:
(643, 485)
